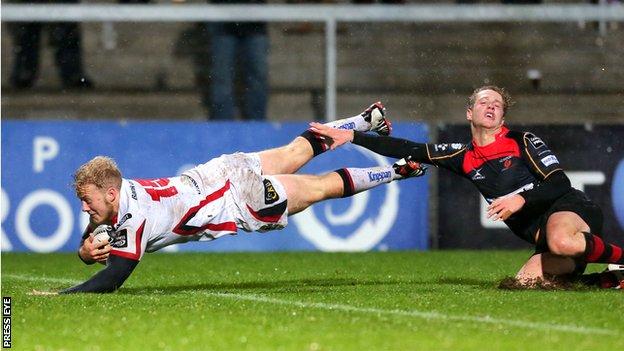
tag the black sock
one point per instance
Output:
(318, 142)
(347, 182)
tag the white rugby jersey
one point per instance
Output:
(159, 212)
(206, 202)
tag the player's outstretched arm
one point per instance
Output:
(107, 280)
(392, 147)
(383, 145)
(337, 135)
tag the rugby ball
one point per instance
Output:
(101, 234)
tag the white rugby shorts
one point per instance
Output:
(258, 202)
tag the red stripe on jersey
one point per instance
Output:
(269, 219)
(183, 229)
(501, 147)
(137, 246)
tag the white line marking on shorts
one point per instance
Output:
(570, 328)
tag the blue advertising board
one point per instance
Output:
(41, 213)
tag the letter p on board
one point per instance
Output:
(44, 149)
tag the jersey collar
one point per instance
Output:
(501, 134)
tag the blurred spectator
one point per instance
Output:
(233, 45)
(64, 37)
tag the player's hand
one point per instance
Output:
(503, 207)
(92, 252)
(338, 136)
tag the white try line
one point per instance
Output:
(40, 279)
(569, 328)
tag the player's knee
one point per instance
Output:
(560, 243)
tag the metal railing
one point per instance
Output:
(328, 14)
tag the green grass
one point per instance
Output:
(445, 300)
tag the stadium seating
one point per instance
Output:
(422, 71)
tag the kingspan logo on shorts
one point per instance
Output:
(379, 176)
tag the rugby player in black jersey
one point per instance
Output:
(524, 184)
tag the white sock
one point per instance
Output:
(357, 180)
(352, 123)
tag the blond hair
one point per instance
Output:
(507, 101)
(100, 171)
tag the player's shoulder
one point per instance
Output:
(526, 138)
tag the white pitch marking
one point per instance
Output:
(40, 279)
(425, 315)
(347, 308)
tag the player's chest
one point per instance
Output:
(499, 176)
(505, 167)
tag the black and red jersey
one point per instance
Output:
(515, 163)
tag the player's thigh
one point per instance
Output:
(572, 213)
(565, 222)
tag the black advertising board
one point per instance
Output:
(592, 156)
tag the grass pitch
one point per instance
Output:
(445, 300)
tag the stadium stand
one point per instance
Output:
(147, 70)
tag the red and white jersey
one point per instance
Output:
(204, 203)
